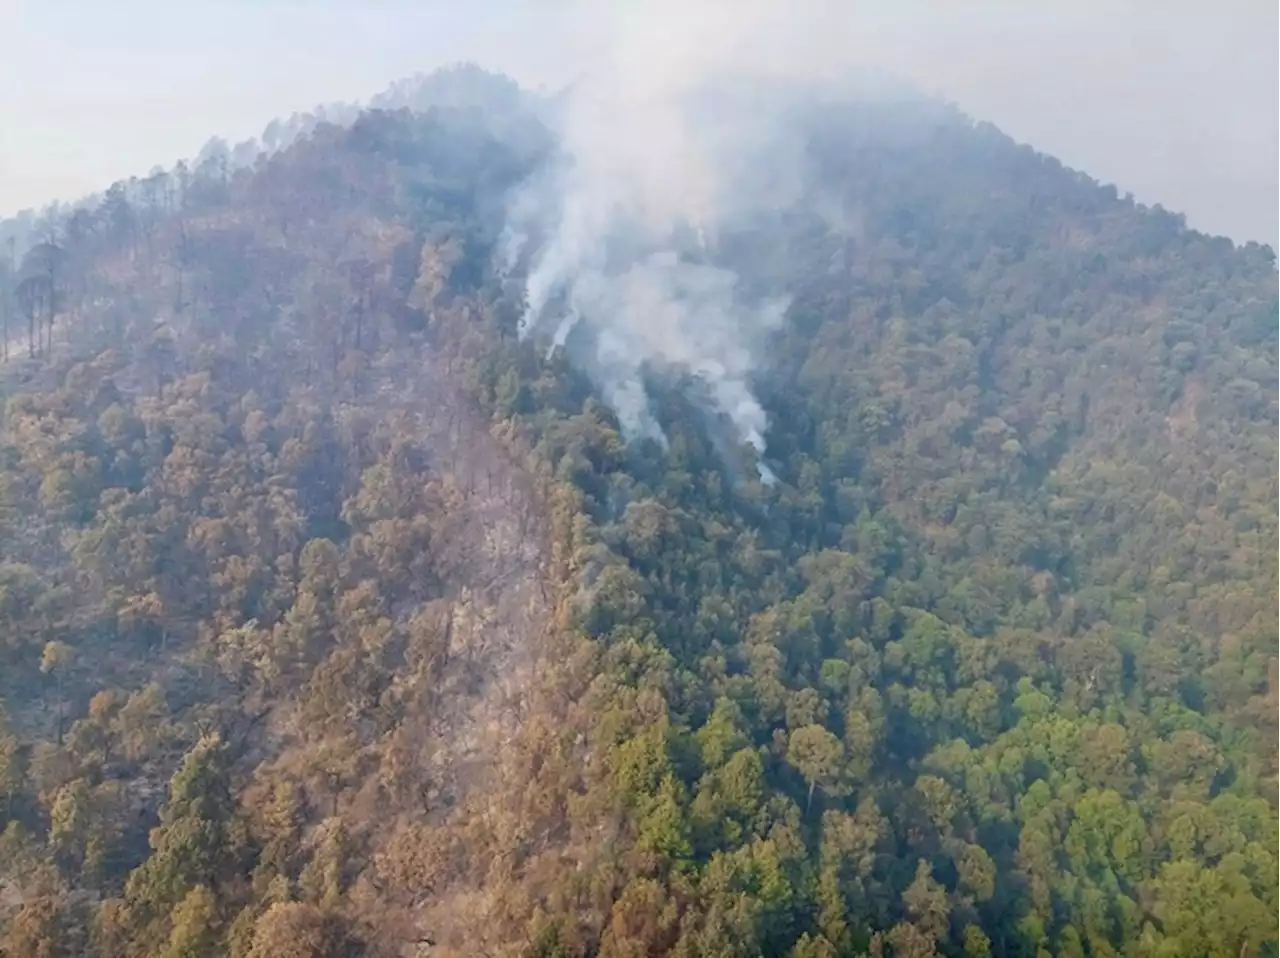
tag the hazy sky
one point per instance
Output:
(1175, 101)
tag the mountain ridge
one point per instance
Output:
(990, 670)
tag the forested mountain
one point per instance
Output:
(336, 618)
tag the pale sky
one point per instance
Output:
(1175, 101)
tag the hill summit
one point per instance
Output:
(800, 523)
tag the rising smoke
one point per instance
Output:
(670, 141)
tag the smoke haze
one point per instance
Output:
(1176, 103)
(658, 157)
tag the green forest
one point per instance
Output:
(338, 620)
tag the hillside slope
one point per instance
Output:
(339, 619)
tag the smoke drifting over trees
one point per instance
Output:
(378, 577)
(668, 143)
(1177, 104)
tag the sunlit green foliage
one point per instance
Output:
(991, 671)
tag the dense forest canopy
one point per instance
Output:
(340, 614)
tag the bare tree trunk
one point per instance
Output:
(58, 680)
(51, 307)
(9, 301)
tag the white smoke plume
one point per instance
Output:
(670, 139)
